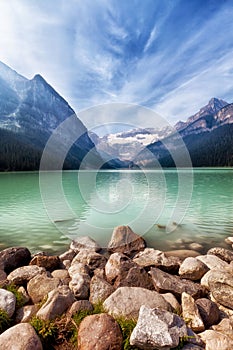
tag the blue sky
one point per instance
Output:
(168, 55)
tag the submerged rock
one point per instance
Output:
(125, 241)
(157, 329)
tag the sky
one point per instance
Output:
(171, 56)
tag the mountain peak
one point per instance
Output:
(216, 104)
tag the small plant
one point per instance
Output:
(80, 315)
(127, 327)
(46, 330)
(5, 320)
(183, 341)
(19, 296)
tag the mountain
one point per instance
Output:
(30, 111)
(126, 145)
(207, 135)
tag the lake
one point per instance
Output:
(170, 208)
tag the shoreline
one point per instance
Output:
(126, 294)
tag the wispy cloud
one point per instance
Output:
(172, 55)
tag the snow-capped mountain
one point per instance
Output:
(126, 145)
(30, 110)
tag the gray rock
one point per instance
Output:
(80, 305)
(165, 283)
(69, 255)
(25, 313)
(125, 241)
(225, 327)
(39, 286)
(192, 269)
(63, 276)
(99, 290)
(80, 285)
(20, 337)
(209, 311)
(190, 313)
(212, 261)
(7, 302)
(78, 267)
(126, 301)
(220, 283)
(117, 266)
(91, 259)
(152, 257)
(222, 253)
(99, 332)
(84, 242)
(215, 340)
(171, 299)
(59, 300)
(25, 273)
(157, 329)
(12, 258)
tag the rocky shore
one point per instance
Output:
(127, 296)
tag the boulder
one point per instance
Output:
(63, 276)
(209, 311)
(7, 302)
(84, 242)
(25, 273)
(190, 313)
(91, 259)
(222, 253)
(80, 285)
(39, 286)
(25, 313)
(20, 337)
(136, 277)
(69, 255)
(50, 263)
(229, 240)
(125, 241)
(3, 275)
(78, 267)
(12, 258)
(212, 261)
(80, 305)
(151, 257)
(99, 332)
(171, 299)
(126, 301)
(215, 340)
(157, 329)
(220, 283)
(59, 300)
(99, 290)
(192, 269)
(225, 327)
(117, 266)
(165, 283)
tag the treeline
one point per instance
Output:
(208, 149)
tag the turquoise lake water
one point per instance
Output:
(45, 211)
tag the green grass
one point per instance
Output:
(46, 330)
(127, 327)
(5, 320)
(19, 296)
